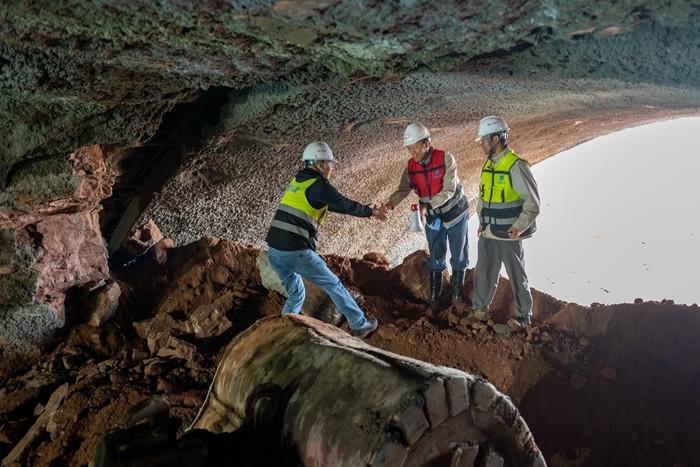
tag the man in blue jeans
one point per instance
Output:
(293, 232)
(432, 174)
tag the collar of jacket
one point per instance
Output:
(496, 159)
(307, 173)
(426, 161)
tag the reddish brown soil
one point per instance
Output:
(613, 385)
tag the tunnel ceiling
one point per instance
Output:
(76, 73)
(90, 88)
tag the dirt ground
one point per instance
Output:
(608, 385)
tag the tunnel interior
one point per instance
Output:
(146, 147)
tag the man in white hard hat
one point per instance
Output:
(432, 174)
(292, 236)
(508, 205)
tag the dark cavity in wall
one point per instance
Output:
(144, 170)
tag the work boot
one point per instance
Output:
(520, 323)
(369, 327)
(435, 285)
(457, 284)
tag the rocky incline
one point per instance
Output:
(602, 385)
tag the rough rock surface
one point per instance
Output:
(263, 79)
(414, 276)
(266, 78)
(559, 372)
(97, 66)
(49, 246)
(143, 238)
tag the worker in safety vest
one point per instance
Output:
(292, 236)
(508, 205)
(432, 174)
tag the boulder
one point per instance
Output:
(414, 277)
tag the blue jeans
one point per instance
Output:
(291, 266)
(438, 235)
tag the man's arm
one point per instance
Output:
(403, 190)
(524, 183)
(323, 193)
(449, 183)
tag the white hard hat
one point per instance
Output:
(413, 133)
(317, 151)
(490, 125)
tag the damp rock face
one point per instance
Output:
(50, 242)
(626, 366)
(77, 74)
(106, 78)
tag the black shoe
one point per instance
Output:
(457, 284)
(435, 286)
(366, 330)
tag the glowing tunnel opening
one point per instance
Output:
(620, 218)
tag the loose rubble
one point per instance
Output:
(577, 374)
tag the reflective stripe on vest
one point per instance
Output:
(501, 204)
(450, 203)
(295, 203)
(426, 180)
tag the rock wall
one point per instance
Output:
(51, 245)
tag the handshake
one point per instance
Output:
(381, 211)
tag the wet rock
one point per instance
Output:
(377, 258)
(61, 235)
(177, 348)
(142, 239)
(159, 252)
(414, 277)
(210, 320)
(41, 423)
(104, 304)
(502, 329)
(162, 323)
(220, 274)
(452, 318)
(582, 320)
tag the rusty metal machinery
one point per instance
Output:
(339, 401)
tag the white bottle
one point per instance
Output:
(415, 223)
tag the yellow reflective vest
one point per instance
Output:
(299, 216)
(501, 204)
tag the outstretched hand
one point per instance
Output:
(380, 212)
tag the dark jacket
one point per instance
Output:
(320, 194)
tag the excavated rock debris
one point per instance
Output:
(603, 385)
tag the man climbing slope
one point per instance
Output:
(293, 234)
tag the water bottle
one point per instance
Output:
(415, 223)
